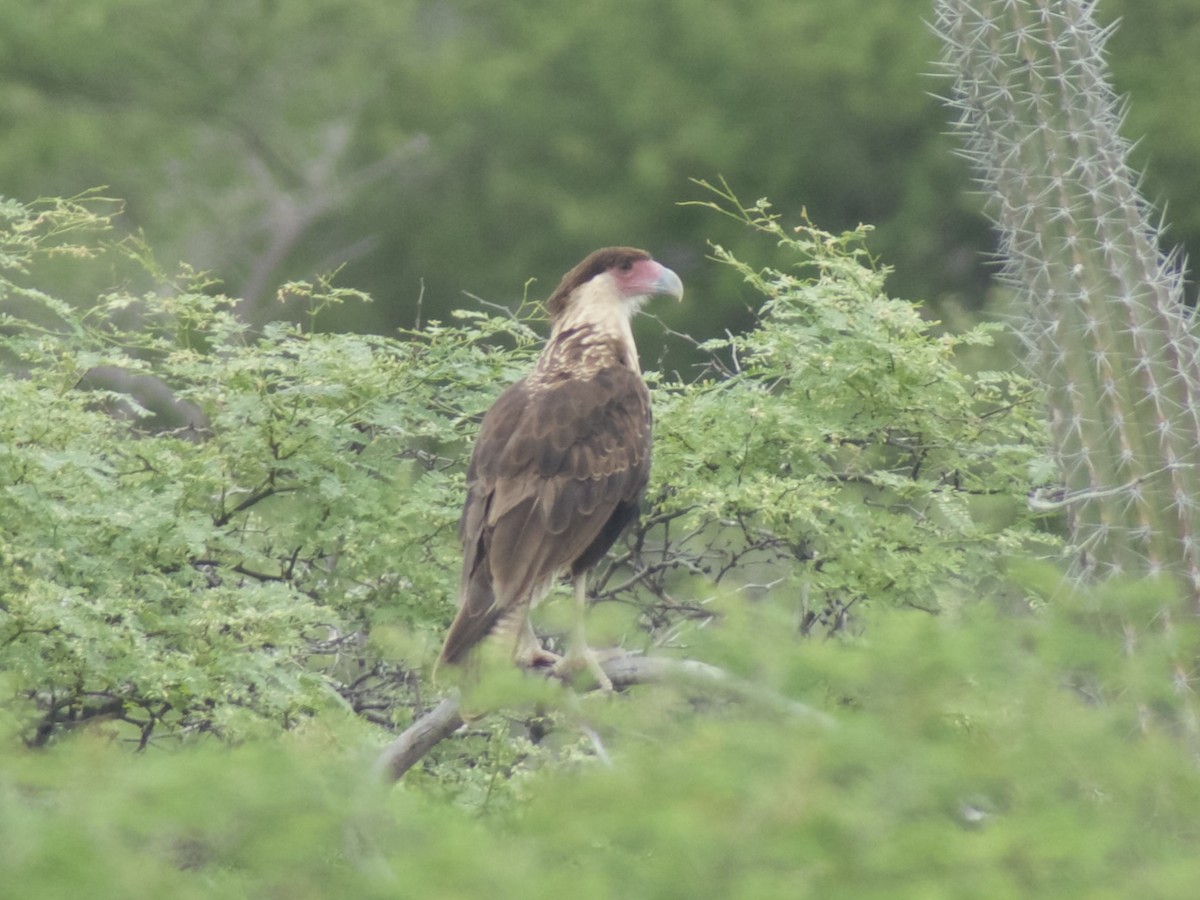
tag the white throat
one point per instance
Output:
(599, 305)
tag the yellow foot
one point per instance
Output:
(578, 659)
(538, 658)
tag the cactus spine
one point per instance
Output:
(1105, 323)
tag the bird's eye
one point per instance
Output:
(626, 265)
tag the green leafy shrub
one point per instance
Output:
(227, 571)
(208, 529)
(958, 768)
(841, 440)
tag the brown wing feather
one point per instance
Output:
(556, 475)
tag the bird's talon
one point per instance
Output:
(569, 666)
(540, 659)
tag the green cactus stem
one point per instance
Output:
(1105, 324)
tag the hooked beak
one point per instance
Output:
(667, 283)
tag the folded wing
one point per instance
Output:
(557, 473)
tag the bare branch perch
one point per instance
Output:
(418, 739)
(625, 670)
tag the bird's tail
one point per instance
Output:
(477, 616)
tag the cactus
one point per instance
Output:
(1103, 315)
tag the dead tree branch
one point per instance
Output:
(625, 670)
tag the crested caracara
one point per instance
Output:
(560, 464)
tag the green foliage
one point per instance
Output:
(212, 531)
(470, 146)
(209, 529)
(222, 572)
(959, 768)
(839, 440)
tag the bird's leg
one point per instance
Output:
(579, 655)
(529, 652)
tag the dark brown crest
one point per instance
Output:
(595, 264)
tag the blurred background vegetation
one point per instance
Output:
(1006, 748)
(443, 147)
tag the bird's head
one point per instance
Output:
(624, 274)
